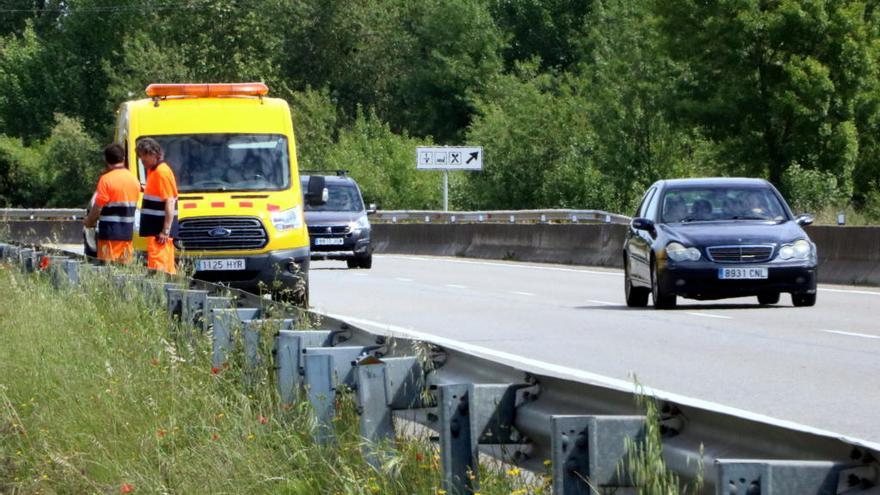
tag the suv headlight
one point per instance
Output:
(799, 250)
(678, 252)
(360, 224)
(287, 219)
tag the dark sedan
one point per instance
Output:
(714, 239)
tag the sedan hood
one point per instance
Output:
(332, 217)
(734, 232)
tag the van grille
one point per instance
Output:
(740, 254)
(328, 229)
(195, 234)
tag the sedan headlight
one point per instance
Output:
(678, 252)
(288, 219)
(799, 250)
(360, 224)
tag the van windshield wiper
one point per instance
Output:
(748, 217)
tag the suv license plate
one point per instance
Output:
(329, 241)
(220, 265)
(751, 273)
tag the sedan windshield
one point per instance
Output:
(227, 162)
(339, 198)
(728, 203)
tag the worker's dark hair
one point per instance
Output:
(114, 153)
(148, 146)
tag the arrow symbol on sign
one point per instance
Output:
(473, 156)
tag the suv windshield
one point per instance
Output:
(226, 162)
(340, 198)
(710, 204)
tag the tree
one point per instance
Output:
(773, 83)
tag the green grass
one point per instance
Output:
(94, 398)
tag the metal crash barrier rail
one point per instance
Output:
(521, 415)
(499, 216)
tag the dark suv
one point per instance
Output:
(339, 228)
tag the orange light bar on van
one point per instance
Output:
(207, 90)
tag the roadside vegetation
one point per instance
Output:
(95, 398)
(578, 104)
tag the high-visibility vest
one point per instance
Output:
(117, 195)
(161, 187)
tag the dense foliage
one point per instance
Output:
(578, 103)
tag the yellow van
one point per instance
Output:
(240, 206)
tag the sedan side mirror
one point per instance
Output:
(645, 224)
(316, 191)
(371, 209)
(804, 219)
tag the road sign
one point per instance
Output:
(449, 158)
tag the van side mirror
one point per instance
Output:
(804, 219)
(371, 209)
(316, 191)
(645, 224)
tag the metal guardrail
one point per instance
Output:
(391, 216)
(517, 413)
(42, 214)
(499, 216)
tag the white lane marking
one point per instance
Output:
(533, 365)
(456, 286)
(603, 303)
(402, 279)
(521, 293)
(851, 291)
(709, 315)
(852, 334)
(507, 265)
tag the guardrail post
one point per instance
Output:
(187, 310)
(70, 268)
(326, 369)
(223, 323)
(382, 386)
(764, 477)
(457, 458)
(591, 448)
(288, 363)
(251, 335)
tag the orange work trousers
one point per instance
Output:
(161, 256)
(115, 251)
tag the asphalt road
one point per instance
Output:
(817, 366)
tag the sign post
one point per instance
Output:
(448, 158)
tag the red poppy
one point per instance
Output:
(161, 433)
(420, 457)
(126, 488)
(263, 420)
(215, 437)
(215, 370)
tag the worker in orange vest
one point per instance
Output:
(159, 208)
(115, 203)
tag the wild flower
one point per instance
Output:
(263, 420)
(126, 488)
(215, 370)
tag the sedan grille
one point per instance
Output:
(222, 233)
(328, 229)
(740, 254)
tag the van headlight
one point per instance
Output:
(678, 252)
(360, 224)
(799, 250)
(287, 219)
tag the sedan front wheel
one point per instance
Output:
(661, 299)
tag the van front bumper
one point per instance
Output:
(275, 270)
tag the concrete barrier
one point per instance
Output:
(847, 255)
(42, 231)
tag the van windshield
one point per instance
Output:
(339, 198)
(226, 162)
